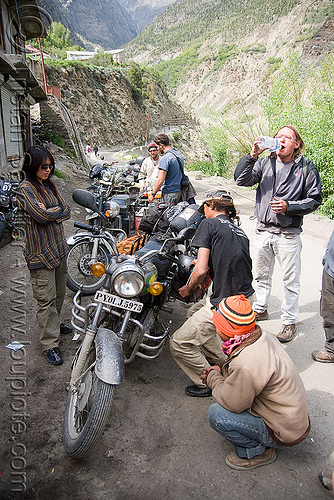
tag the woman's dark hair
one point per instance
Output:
(34, 158)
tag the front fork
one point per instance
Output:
(95, 249)
(85, 349)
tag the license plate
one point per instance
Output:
(114, 300)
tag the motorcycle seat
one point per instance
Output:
(162, 265)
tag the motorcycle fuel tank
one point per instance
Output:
(151, 274)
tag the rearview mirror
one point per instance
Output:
(84, 199)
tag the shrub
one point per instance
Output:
(207, 167)
(59, 173)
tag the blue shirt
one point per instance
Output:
(171, 165)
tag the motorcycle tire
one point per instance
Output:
(86, 412)
(78, 267)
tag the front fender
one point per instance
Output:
(76, 237)
(109, 357)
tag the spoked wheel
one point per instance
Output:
(79, 262)
(86, 412)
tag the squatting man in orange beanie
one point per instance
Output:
(261, 399)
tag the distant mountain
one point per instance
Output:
(220, 53)
(93, 22)
(143, 11)
(107, 23)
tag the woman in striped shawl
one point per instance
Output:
(44, 210)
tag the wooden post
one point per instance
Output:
(43, 67)
(148, 121)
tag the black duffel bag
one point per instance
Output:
(153, 216)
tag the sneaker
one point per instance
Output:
(261, 316)
(198, 392)
(54, 356)
(65, 329)
(235, 462)
(323, 356)
(326, 480)
(286, 333)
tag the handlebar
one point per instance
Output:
(83, 226)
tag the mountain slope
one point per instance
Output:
(220, 54)
(93, 22)
(188, 23)
(143, 11)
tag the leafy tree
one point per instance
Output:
(135, 75)
(103, 59)
(216, 139)
(57, 41)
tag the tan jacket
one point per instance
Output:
(259, 377)
(149, 172)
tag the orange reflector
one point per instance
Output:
(107, 213)
(98, 269)
(155, 288)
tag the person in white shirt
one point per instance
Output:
(149, 169)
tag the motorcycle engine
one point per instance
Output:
(184, 269)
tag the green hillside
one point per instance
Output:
(187, 23)
(184, 35)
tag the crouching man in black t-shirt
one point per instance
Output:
(223, 248)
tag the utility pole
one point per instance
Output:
(148, 121)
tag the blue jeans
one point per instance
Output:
(249, 434)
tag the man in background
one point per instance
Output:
(171, 165)
(327, 305)
(149, 169)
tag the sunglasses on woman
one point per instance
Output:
(46, 166)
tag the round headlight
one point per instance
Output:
(112, 207)
(128, 280)
(106, 175)
(128, 284)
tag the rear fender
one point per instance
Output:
(109, 357)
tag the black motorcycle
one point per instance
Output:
(94, 242)
(8, 208)
(124, 320)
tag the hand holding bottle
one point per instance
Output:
(262, 143)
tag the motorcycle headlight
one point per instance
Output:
(112, 207)
(106, 175)
(128, 280)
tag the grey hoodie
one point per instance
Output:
(301, 190)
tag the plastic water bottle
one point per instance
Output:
(270, 143)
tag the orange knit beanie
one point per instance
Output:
(234, 316)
